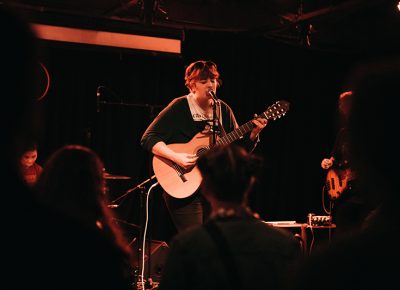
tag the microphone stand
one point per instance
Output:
(100, 102)
(152, 107)
(215, 119)
(141, 186)
(133, 189)
(142, 211)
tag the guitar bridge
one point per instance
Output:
(180, 172)
(183, 178)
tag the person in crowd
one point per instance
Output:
(348, 207)
(72, 183)
(25, 227)
(185, 117)
(234, 249)
(30, 169)
(365, 259)
(36, 240)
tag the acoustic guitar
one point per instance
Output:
(181, 183)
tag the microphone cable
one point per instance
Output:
(144, 235)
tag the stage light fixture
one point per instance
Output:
(106, 38)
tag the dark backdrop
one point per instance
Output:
(256, 72)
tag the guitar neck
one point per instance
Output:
(236, 134)
(273, 112)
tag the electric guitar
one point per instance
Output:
(181, 183)
(337, 181)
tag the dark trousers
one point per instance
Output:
(187, 212)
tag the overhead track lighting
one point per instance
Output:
(106, 38)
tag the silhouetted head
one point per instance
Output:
(72, 181)
(229, 172)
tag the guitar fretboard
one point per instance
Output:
(236, 134)
(275, 111)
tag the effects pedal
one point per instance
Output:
(319, 220)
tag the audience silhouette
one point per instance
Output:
(72, 184)
(45, 248)
(234, 249)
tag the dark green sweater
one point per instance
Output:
(174, 124)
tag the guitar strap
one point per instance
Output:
(225, 254)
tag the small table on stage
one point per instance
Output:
(302, 228)
(290, 225)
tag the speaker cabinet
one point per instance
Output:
(153, 264)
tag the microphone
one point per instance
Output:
(98, 94)
(212, 94)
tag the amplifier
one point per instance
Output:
(319, 220)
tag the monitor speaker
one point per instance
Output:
(153, 266)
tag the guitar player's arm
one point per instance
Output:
(184, 160)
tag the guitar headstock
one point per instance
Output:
(277, 110)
